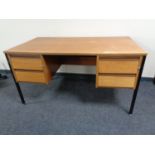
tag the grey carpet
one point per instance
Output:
(72, 105)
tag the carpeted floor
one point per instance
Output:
(72, 105)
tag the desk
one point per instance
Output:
(119, 61)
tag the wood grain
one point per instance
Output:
(29, 63)
(79, 46)
(30, 76)
(116, 81)
(117, 58)
(47, 71)
(119, 65)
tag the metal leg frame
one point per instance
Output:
(137, 86)
(16, 83)
(134, 93)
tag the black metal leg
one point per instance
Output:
(137, 86)
(154, 80)
(16, 83)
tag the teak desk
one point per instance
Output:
(119, 60)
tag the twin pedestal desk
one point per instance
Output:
(119, 61)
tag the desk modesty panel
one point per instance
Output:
(118, 60)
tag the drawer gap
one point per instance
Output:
(118, 57)
(26, 70)
(24, 56)
(116, 74)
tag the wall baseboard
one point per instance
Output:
(79, 75)
(4, 71)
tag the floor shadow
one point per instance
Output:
(84, 89)
(71, 86)
(5, 82)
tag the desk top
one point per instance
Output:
(79, 46)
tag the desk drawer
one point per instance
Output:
(30, 76)
(118, 65)
(122, 81)
(27, 63)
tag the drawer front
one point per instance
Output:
(118, 65)
(27, 63)
(119, 81)
(30, 76)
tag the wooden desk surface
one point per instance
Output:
(79, 46)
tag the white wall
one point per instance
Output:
(13, 32)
